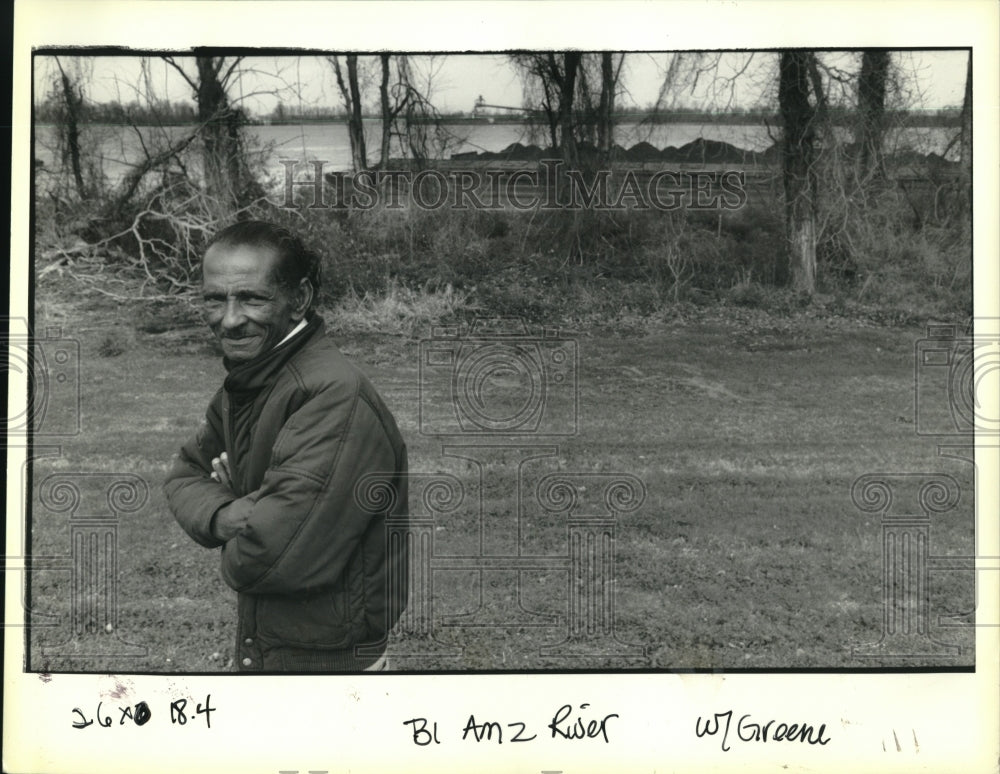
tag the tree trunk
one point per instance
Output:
(552, 119)
(586, 115)
(221, 156)
(606, 108)
(965, 158)
(567, 87)
(356, 126)
(965, 142)
(350, 92)
(871, 112)
(72, 103)
(798, 156)
(386, 109)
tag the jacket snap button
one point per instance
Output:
(247, 662)
(248, 641)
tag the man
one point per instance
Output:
(273, 474)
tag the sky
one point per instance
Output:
(935, 79)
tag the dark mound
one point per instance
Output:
(513, 152)
(642, 151)
(702, 151)
(699, 151)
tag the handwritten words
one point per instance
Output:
(749, 731)
(565, 723)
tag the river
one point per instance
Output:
(120, 147)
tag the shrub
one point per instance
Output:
(397, 310)
(111, 345)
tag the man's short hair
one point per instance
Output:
(295, 259)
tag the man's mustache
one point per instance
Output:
(240, 334)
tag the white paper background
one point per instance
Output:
(270, 724)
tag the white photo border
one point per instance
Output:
(920, 721)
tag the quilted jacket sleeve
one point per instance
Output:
(305, 523)
(192, 495)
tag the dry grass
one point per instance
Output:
(748, 551)
(396, 311)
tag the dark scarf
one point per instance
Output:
(246, 379)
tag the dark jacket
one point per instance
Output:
(301, 426)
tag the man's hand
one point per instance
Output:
(220, 470)
(230, 519)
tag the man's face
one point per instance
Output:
(243, 304)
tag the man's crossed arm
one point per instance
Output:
(231, 518)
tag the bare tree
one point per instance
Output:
(593, 108)
(798, 155)
(965, 154)
(585, 111)
(418, 122)
(565, 79)
(350, 92)
(405, 106)
(714, 76)
(395, 101)
(610, 75)
(871, 111)
(72, 104)
(538, 92)
(965, 149)
(228, 179)
(550, 83)
(388, 110)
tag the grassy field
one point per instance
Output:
(747, 431)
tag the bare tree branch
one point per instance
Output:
(170, 61)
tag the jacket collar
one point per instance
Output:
(253, 375)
